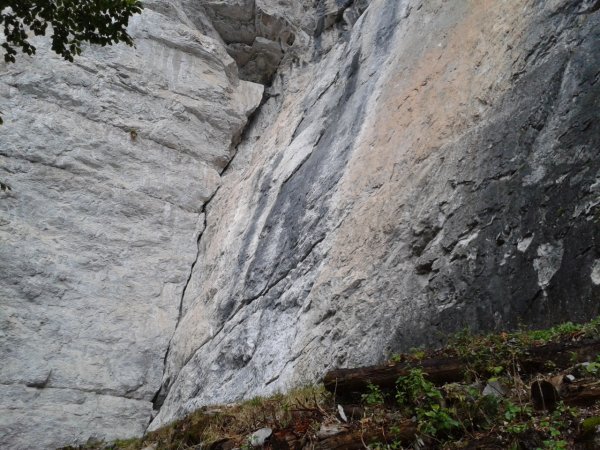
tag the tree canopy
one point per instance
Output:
(72, 22)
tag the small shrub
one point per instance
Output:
(419, 396)
(374, 396)
(414, 389)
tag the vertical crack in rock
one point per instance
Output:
(163, 391)
(326, 141)
(100, 220)
(257, 63)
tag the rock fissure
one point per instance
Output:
(163, 391)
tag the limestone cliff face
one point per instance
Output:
(415, 167)
(432, 166)
(110, 161)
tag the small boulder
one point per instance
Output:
(495, 389)
(259, 437)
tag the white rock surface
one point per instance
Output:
(259, 437)
(110, 161)
(417, 166)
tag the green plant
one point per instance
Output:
(555, 445)
(487, 354)
(436, 419)
(417, 353)
(72, 23)
(556, 425)
(396, 358)
(520, 419)
(496, 370)
(256, 402)
(517, 428)
(416, 390)
(593, 368)
(374, 396)
(482, 410)
(414, 354)
(126, 444)
(419, 396)
(394, 445)
(513, 412)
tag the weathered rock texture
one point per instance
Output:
(433, 166)
(416, 167)
(110, 161)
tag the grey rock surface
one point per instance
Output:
(421, 168)
(110, 161)
(415, 167)
(494, 388)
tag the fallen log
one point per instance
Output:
(347, 438)
(545, 394)
(561, 354)
(583, 393)
(350, 383)
(352, 440)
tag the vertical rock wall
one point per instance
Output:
(110, 161)
(434, 165)
(415, 167)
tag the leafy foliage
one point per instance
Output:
(415, 389)
(373, 396)
(73, 22)
(422, 398)
(494, 354)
